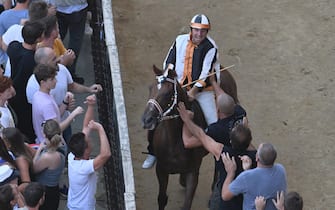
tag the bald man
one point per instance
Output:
(46, 55)
(229, 114)
(266, 180)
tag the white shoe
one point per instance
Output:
(149, 162)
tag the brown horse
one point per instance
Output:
(172, 158)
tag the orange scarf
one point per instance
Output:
(188, 62)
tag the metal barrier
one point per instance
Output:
(118, 171)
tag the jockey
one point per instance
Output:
(194, 55)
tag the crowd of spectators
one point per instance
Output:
(38, 84)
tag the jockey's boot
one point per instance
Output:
(149, 162)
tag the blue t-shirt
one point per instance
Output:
(7, 19)
(236, 202)
(260, 182)
(11, 17)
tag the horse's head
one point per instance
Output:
(163, 97)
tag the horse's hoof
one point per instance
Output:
(162, 201)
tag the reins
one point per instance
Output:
(163, 78)
(164, 115)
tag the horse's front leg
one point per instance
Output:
(191, 186)
(163, 180)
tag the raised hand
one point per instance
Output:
(229, 163)
(78, 110)
(95, 88)
(246, 162)
(260, 203)
(94, 125)
(184, 113)
(279, 203)
(68, 96)
(72, 103)
(51, 10)
(91, 100)
(69, 101)
(68, 57)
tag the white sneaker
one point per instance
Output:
(149, 162)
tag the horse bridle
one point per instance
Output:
(163, 115)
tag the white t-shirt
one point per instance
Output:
(82, 184)
(6, 119)
(22, 208)
(63, 77)
(14, 33)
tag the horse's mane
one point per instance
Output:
(171, 75)
(182, 94)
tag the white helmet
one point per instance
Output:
(200, 21)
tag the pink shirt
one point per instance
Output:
(44, 108)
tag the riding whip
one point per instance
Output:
(225, 68)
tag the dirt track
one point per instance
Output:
(284, 51)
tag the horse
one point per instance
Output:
(161, 115)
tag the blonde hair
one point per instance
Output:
(52, 132)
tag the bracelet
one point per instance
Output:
(66, 103)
